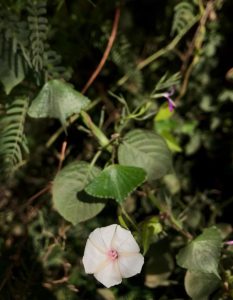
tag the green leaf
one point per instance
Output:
(9, 76)
(189, 127)
(116, 182)
(164, 113)
(200, 285)
(226, 94)
(75, 206)
(194, 143)
(150, 228)
(171, 141)
(164, 125)
(203, 253)
(147, 150)
(57, 99)
(169, 125)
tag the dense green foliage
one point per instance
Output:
(146, 144)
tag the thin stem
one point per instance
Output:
(169, 47)
(35, 196)
(101, 137)
(195, 45)
(129, 218)
(178, 227)
(161, 52)
(72, 119)
(106, 52)
(48, 186)
(94, 159)
(168, 215)
(201, 6)
(62, 155)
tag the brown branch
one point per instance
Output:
(106, 52)
(38, 194)
(48, 186)
(34, 197)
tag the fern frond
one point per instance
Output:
(53, 67)
(24, 46)
(38, 26)
(122, 56)
(13, 142)
(13, 33)
(184, 15)
(14, 54)
(120, 50)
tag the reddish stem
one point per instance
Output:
(106, 52)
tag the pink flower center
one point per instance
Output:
(112, 254)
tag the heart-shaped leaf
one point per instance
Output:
(203, 253)
(200, 285)
(75, 206)
(116, 182)
(57, 99)
(147, 150)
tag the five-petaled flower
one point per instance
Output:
(111, 253)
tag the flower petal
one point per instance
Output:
(107, 234)
(96, 238)
(130, 265)
(171, 104)
(92, 257)
(124, 241)
(229, 243)
(109, 275)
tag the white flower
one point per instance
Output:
(111, 253)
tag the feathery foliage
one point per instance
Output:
(38, 26)
(122, 55)
(184, 15)
(14, 55)
(167, 82)
(52, 65)
(13, 142)
(24, 46)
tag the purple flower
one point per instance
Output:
(171, 103)
(229, 243)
